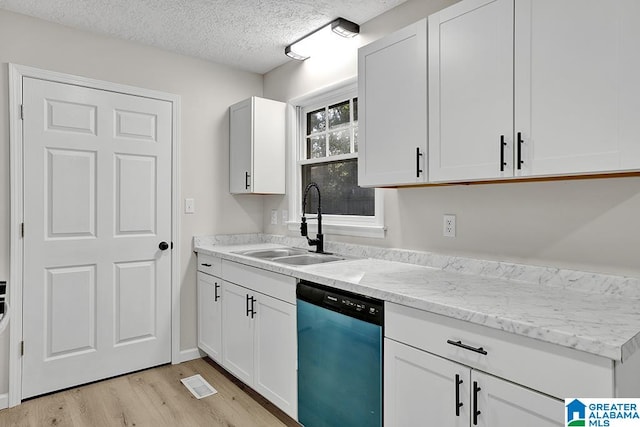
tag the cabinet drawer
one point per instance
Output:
(551, 369)
(209, 264)
(273, 284)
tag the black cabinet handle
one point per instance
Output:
(476, 389)
(467, 347)
(502, 145)
(520, 142)
(215, 292)
(250, 311)
(247, 305)
(458, 403)
(246, 180)
(253, 312)
(418, 155)
(206, 265)
(163, 246)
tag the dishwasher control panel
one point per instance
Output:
(359, 306)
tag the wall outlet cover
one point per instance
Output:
(274, 217)
(449, 225)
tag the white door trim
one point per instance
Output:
(16, 263)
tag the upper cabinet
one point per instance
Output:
(257, 146)
(533, 88)
(392, 97)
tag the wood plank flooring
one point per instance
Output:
(154, 398)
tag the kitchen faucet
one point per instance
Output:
(318, 242)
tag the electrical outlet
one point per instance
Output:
(285, 216)
(274, 217)
(449, 226)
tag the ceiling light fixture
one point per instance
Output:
(303, 48)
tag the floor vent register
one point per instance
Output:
(198, 386)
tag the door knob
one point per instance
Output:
(163, 246)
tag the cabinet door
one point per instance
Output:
(392, 91)
(504, 404)
(576, 69)
(420, 389)
(240, 147)
(237, 335)
(471, 91)
(269, 154)
(210, 315)
(276, 353)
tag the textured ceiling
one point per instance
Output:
(247, 34)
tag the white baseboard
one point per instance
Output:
(4, 400)
(189, 354)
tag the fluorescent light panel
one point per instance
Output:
(322, 37)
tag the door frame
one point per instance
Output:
(16, 161)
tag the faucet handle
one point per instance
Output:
(303, 227)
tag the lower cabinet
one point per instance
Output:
(424, 389)
(259, 344)
(209, 296)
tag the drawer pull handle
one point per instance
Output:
(418, 155)
(467, 347)
(216, 297)
(458, 403)
(206, 265)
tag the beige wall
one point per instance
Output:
(585, 224)
(206, 91)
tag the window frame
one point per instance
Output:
(347, 225)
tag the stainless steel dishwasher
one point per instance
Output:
(339, 357)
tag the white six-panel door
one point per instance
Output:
(97, 203)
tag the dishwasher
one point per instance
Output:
(339, 357)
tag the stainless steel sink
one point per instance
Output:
(308, 259)
(291, 256)
(273, 253)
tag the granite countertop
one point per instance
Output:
(603, 324)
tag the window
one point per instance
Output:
(327, 154)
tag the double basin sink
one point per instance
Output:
(291, 256)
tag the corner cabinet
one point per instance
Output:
(392, 98)
(516, 89)
(257, 146)
(447, 372)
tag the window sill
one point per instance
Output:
(373, 231)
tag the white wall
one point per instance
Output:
(585, 224)
(206, 91)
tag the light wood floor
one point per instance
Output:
(153, 398)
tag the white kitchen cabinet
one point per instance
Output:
(209, 296)
(421, 388)
(275, 353)
(533, 88)
(503, 404)
(471, 90)
(257, 146)
(259, 333)
(392, 98)
(238, 332)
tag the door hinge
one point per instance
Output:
(22, 229)
(21, 348)
(21, 112)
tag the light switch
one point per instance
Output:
(274, 217)
(189, 206)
